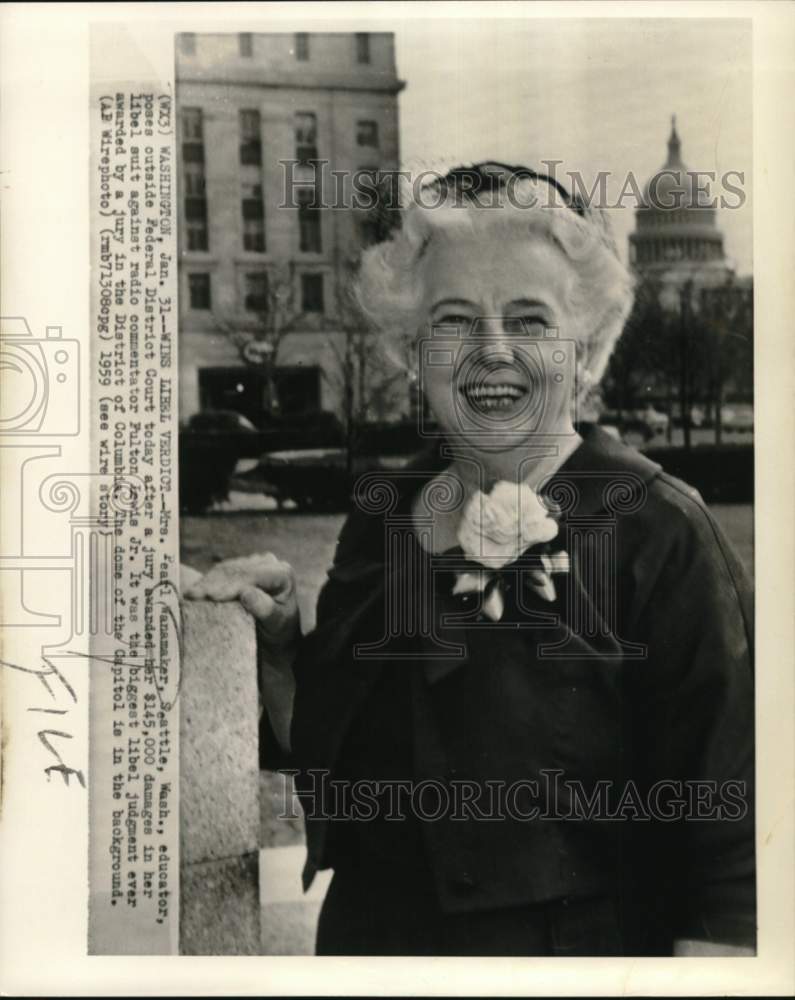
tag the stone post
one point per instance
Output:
(219, 782)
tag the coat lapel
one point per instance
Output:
(361, 581)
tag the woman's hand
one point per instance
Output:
(265, 586)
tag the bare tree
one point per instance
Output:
(686, 339)
(258, 340)
(726, 313)
(361, 374)
(641, 363)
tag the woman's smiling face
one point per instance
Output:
(498, 369)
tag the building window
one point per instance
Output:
(250, 137)
(196, 223)
(253, 209)
(187, 43)
(199, 288)
(366, 200)
(362, 47)
(312, 293)
(256, 299)
(195, 185)
(192, 122)
(302, 46)
(367, 133)
(254, 234)
(309, 236)
(305, 136)
(192, 126)
(246, 44)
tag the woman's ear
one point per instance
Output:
(585, 386)
(583, 380)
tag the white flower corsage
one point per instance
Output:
(496, 528)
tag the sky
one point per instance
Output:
(597, 94)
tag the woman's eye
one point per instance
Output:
(529, 326)
(454, 319)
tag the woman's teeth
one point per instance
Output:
(493, 397)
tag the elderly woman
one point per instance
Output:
(523, 723)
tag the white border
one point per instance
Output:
(44, 143)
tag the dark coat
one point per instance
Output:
(642, 675)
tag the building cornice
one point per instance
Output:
(676, 231)
(280, 82)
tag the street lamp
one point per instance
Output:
(676, 300)
(259, 354)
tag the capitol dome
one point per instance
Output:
(676, 223)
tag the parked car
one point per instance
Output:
(219, 421)
(313, 478)
(656, 421)
(322, 478)
(635, 426)
(314, 429)
(737, 417)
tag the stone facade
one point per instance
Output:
(282, 97)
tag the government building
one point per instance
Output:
(676, 232)
(677, 254)
(268, 123)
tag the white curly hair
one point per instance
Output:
(389, 289)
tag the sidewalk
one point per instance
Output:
(289, 916)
